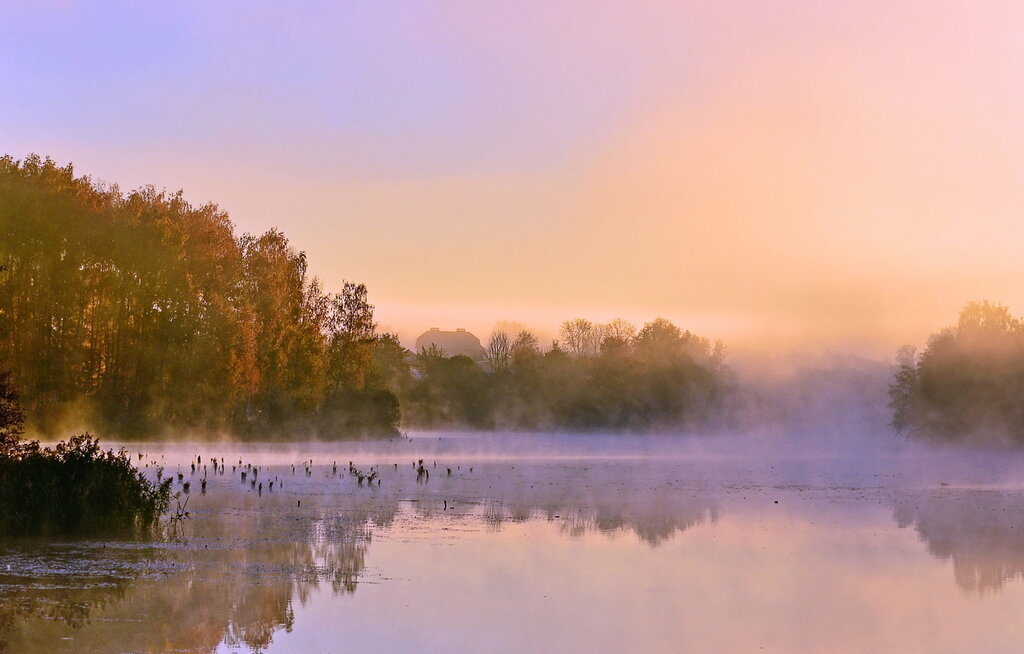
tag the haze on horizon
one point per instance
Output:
(775, 175)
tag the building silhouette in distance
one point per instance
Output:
(451, 342)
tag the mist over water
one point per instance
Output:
(637, 541)
(512, 327)
(804, 524)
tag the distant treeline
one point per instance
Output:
(136, 313)
(967, 384)
(595, 377)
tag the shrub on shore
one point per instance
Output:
(74, 487)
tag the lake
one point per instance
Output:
(540, 543)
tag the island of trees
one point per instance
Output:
(968, 383)
(138, 315)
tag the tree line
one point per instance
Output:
(594, 377)
(138, 312)
(968, 382)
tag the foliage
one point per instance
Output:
(73, 488)
(968, 383)
(609, 378)
(137, 313)
(12, 418)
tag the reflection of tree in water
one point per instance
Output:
(245, 561)
(982, 532)
(235, 582)
(653, 524)
(652, 501)
(653, 519)
(65, 606)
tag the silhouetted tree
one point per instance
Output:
(499, 353)
(967, 383)
(580, 337)
(620, 330)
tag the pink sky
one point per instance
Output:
(843, 175)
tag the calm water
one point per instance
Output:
(550, 545)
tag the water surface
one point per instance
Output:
(547, 544)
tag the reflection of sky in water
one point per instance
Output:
(547, 554)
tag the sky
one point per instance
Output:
(778, 174)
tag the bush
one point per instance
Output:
(73, 488)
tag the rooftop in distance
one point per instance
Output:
(451, 342)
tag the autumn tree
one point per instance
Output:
(138, 312)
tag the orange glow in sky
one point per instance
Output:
(833, 175)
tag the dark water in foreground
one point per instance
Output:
(547, 545)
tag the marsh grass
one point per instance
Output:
(75, 487)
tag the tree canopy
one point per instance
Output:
(605, 377)
(968, 383)
(139, 312)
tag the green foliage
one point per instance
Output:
(359, 413)
(12, 418)
(138, 313)
(76, 487)
(73, 488)
(609, 378)
(968, 383)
